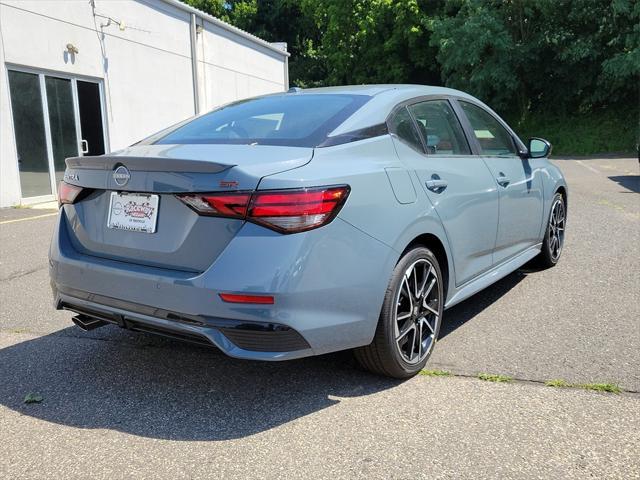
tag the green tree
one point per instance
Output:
(216, 8)
(375, 41)
(552, 55)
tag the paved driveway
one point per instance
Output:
(121, 405)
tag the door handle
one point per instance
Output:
(84, 146)
(502, 180)
(436, 185)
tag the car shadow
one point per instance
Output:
(160, 388)
(630, 182)
(461, 313)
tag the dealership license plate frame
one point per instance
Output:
(141, 217)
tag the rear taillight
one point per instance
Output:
(286, 211)
(67, 193)
(297, 210)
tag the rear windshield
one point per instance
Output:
(288, 119)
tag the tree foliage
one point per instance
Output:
(521, 56)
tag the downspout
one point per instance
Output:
(194, 65)
(286, 73)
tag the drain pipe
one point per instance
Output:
(194, 64)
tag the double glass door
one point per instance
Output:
(53, 118)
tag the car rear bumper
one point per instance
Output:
(328, 286)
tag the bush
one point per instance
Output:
(584, 134)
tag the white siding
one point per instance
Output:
(233, 68)
(145, 68)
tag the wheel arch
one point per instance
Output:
(433, 243)
(562, 190)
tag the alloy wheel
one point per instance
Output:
(417, 315)
(556, 229)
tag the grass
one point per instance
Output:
(492, 377)
(605, 131)
(555, 383)
(558, 383)
(435, 373)
(596, 387)
(601, 387)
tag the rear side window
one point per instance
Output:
(493, 138)
(288, 119)
(440, 128)
(402, 126)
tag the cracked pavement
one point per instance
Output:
(118, 404)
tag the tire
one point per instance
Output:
(553, 242)
(402, 344)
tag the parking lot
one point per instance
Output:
(117, 404)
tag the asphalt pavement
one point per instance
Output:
(120, 405)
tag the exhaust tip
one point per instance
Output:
(87, 323)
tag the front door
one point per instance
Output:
(54, 117)
(459, 185)
(519, 184)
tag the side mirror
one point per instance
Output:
(539, 148)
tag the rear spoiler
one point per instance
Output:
(146, 164)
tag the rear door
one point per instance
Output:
(519, 184)
(459, 184)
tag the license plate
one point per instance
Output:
(137, 212)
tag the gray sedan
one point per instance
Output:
(307, 222)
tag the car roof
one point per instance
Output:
(385, 91)
(383, 99)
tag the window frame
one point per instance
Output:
(520, 148)
(424, 140)
(473, 146)
(454, 100)
(395, 111)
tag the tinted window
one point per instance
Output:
(493, 138)
(440, 128)
(295, 120)
(402, 126)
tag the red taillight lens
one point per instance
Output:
(290, 211)
(286, 211)
(67, 193)
(220, 205)
(260, 299)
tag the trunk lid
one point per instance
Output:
(183, 240)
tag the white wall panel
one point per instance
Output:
(9, 179)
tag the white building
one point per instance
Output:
(97, 75)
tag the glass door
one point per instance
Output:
(62, 123)
(90, 109)
(54, 117)
(29, 128)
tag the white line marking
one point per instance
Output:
(28, 218)
(588, 167)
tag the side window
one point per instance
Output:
(440, 128)
(493, 138)
(401, 124)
